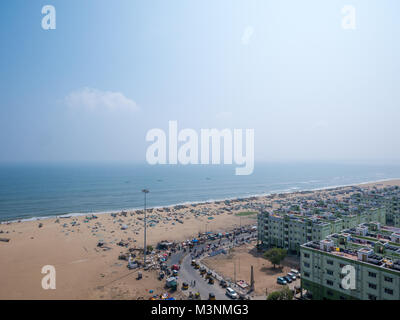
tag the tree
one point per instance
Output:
(284, 294)
(274, 296)
(275, 255)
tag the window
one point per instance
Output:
(330, 293)
(342, 265)
(329, 262)
(372, 285)
(330, 272)
(388, 279)
(388, 291)
(329, 282)
(306, 255)
(307, 265)
(342, 298)
(306, 274)
(372, 274)
(371, 297)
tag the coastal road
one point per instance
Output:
(187, 273)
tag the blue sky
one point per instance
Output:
(310, 89)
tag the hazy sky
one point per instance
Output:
(112, 70)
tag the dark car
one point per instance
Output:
(288, 279)
(223, 284)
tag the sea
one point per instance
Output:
(32, 191)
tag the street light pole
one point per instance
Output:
(234, 271)
(145, 191)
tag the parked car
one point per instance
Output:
(223, 284)
(211, 296)
(292, 276)
(281, 280)
(231, 293)
(295, 272)
(288, 279)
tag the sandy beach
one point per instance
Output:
(83, 268)
(86, 271)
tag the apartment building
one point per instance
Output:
(392, 203)
(388, 197)
(290, 231)
(371, 249)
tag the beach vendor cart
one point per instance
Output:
(171, 283)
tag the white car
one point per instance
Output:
(294, 271)
(231, 293)
(292, 275)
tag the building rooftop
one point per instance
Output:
(378, 252)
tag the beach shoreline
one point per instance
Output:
(210, 201)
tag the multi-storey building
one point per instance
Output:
(372, 251)
(289, 231)
(388, 197)
(393, 210)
